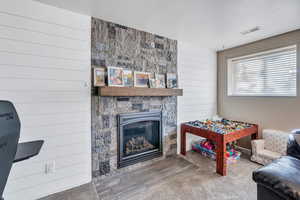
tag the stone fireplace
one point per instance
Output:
(128, 48)
(139, 137)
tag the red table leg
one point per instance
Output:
(183, 141)
(254, 136)
(221, 156)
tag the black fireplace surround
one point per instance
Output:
(139, 137)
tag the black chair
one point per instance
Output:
(10, 150)
(280, 180)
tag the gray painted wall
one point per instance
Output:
(269, 112)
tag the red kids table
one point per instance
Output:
(221, 132)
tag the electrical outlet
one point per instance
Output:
(50, 167)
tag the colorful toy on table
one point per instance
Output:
(221, 126)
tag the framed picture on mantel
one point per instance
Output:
(99, 76)
(115, 76)
(160, 80)
(141, 79)
(128, 78)
(171, 80)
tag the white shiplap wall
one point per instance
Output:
(197, 72)
(45, 72)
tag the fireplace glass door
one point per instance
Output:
(140, 137)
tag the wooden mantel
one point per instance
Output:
(135, 91)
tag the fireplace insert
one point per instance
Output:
(139, 137)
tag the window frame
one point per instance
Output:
(229, 76)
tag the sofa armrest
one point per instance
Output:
(281, 177)
(296, 131)
(257, 145)
(293, 147)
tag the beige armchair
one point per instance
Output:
(272, 146)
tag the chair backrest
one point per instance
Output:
(275, 140)
(9, 138)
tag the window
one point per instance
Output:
(270, 73)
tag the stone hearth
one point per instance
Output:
(116, 45)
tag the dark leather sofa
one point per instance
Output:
(280, 180)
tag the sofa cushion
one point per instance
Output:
(275, 140)
(265, 157)
(282, 176)
(266, 154)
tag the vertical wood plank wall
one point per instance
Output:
(197, 71)
(44, 69)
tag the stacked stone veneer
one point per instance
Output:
(116, 45)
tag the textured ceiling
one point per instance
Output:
(208, 23)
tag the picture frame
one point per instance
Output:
(172, 80)
(99, 76)
(160, 80)
(127, 78)
(152, 83)
(115, 76)
(141, 79)
(151, 76)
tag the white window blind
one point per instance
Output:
(270, 73)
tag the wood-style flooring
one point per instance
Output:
(175, 178)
